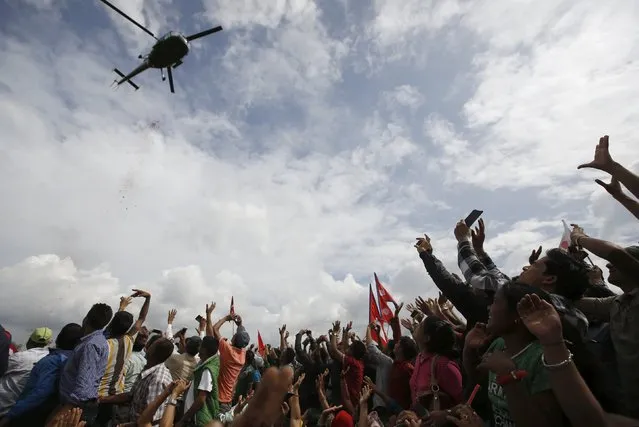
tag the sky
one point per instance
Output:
(305, 148)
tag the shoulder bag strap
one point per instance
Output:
(434, 385)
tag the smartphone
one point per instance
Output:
(474, 216)
(414, 314)
(199, 318)
(156, 331)
(182, 331)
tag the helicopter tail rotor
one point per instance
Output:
(124, 79)
(203, 33)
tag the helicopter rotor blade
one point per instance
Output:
(204, 33)
(129, 18)
(170, 73)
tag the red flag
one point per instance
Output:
(384, 298)
(373, 315)
(565, 239)
(261, 348)
(232, 307)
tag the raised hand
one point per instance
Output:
(282, 330)
(398, 308)
(614, 188)
(171, 317)
(349, 326)
(477, 337)
(478, 236)
(534, 255)
(603, 160)
(423, 306)
(139, 293)
(336, 327)
(576, 234)
(365, 395)
(407, 324)
(541, 319)
(298, 383)
(210, 308)
(423, 244)
(370, 384)
(125, 302)
(286, 335)
(462, 231)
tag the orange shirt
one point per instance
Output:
(231, 363)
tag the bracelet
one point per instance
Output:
(511, 377)
(559, 365)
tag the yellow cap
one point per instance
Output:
(41, 335)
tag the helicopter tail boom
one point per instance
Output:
(127, 78)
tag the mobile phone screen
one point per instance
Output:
(474, 216)
(199, 318)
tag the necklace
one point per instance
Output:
(520, 352)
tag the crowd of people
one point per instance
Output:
(554, 346)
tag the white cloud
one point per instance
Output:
(274, 175)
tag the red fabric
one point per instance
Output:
(399, 383)
(449, 377)
(354, 378)
(232, 311)
(384, 298)
(342, 419)
(261, 348)
(373, 316)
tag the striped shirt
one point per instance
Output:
(120, 350)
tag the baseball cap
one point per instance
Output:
(41, 335)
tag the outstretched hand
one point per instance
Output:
(423, 244)
(614, 188)
(603, 160)
(534, 255)
(478, 236)
(541, 319)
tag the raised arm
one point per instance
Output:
(475, 273)
(168, 334)
(603, 161)
(283, 336)
(144, 311)
(302, 356)
(575, 398)
(211, 329)
(615, 254)
(333, 351)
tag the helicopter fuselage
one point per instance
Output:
(168, 50)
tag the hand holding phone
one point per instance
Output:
(474, 216)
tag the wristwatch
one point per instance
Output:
(173, 401)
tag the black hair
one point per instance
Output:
(121, 323)
(192, 345)
(572, 275)
(358, 349)
(441, 337)
(140, 341)
(152, 339)
(162, 350)
(250, 357)
(513, 292)
(210, 344)
(288, 356)
(69, 336)
(99, 316)
(409, 347)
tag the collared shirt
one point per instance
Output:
(18, 370)
(120, 350)
(479, 275)
(42, 382)
(132, 369)
(84, 369)
(623, 312)
(147, 388)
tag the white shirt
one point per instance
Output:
(206, 384)
(18, 370)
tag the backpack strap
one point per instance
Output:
(434, 385)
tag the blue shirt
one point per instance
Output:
(42, 382)
(84, 369)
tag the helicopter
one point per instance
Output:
(167, 52)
